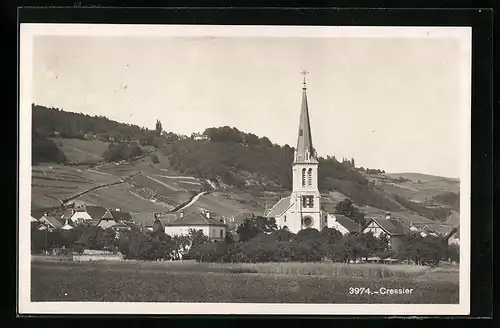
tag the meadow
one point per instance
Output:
(131, 281)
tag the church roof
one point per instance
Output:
(304, 141)
(279, 208)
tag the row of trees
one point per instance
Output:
(133, 244)
(75, 125)
(122, 151)
(259, 240)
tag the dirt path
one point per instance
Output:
(193, 200)
(84, 152)
(163, 184)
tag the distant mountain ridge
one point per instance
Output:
(232, 158)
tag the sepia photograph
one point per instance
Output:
(204, 169)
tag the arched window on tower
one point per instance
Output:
(309, 177)
(303, 177)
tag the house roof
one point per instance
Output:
(52, 221)
(117, 215)
(132, 225)
(67, 226)
(196, 219)
(168, 218)
(33, 219)
(392, 227)
(37, 215)
(144, 219)
(428, 230)
(455, 232)
(347, 223)
(279, 208)
(106, 223)
(95, 212)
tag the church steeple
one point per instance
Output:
(305, 150)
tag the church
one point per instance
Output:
(302, 209)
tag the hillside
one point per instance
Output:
(247, 172)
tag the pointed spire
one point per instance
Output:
(304, 150)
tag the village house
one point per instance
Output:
(113, 218)
(215, 230)
(342, 224)
(48, 222)
(424, 229)
(88, 214)
(68, 225)
(235, 221)
(146, 221)
(453, 237)
(393, 228)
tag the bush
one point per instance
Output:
(154, 158)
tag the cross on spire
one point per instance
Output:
(304, 72)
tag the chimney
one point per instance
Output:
(117, 210)
(181, 214)
(207, 214)
(387, 216)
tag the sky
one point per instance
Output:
(390, 103)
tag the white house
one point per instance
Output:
(146, 221)
(113, 218)
(393, 228)
(424, 229)
(213, 229)
(49, 222)
(453, 236)
(67, 225)
(87, 213)
(342, 223)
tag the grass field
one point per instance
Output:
(77, 150)
(245, 283)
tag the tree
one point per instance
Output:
(309, 234)
(229, 239)
(251, 227)
(454, 253)
(154, 158)
(330, 236)
(158, 128)
(347, 208)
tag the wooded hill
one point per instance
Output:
(228, 156)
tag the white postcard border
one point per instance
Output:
(29, 31)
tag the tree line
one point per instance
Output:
(257, 240)
(47, 121)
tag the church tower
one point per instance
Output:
(305, 195)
